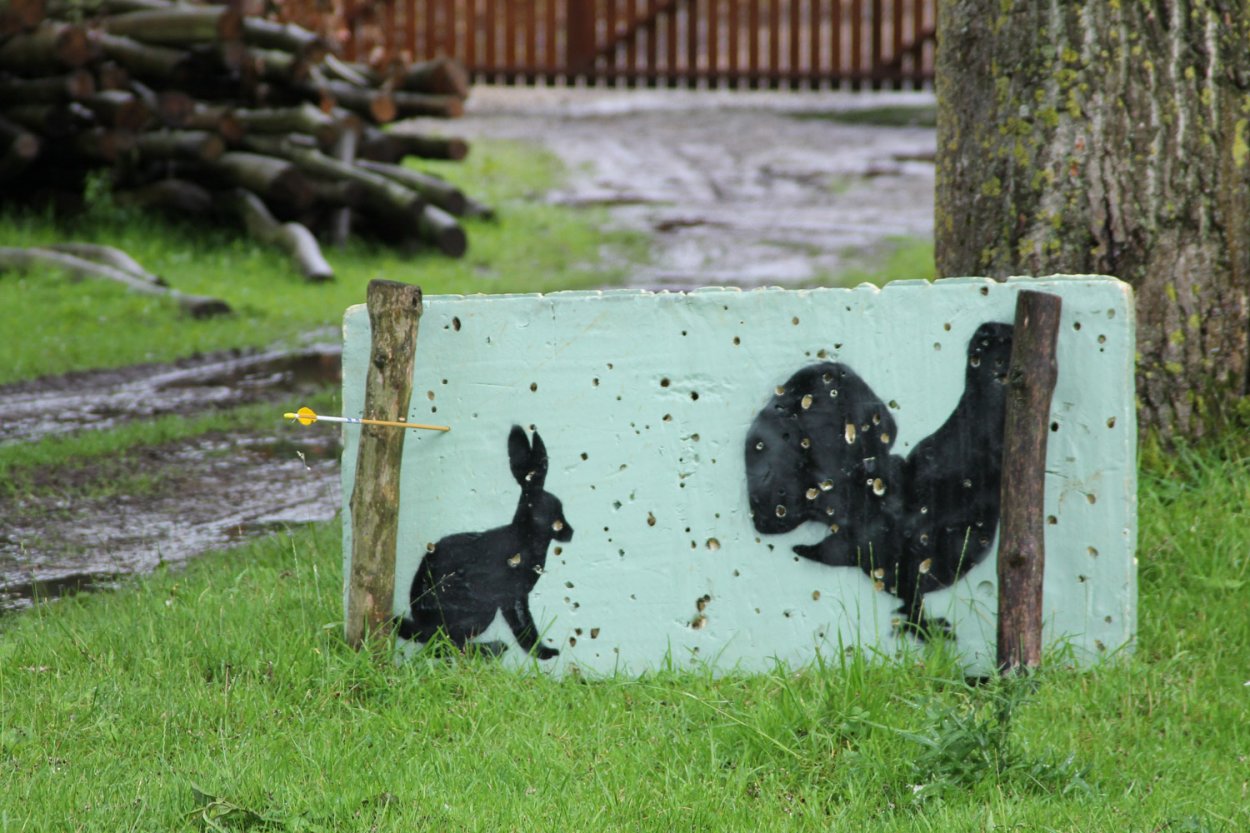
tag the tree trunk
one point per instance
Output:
(101, 144)
(169, 194)
(304, 118)
(267, 34)
(52, 89)
(340, 224)
(45, 260)
(441, 76)
(442, 231)
(179, 25)
(432, 189)
(1109, 138)
(378, 105)
(108, 256)
(410, 105)
(54, 121)
(386, 194)
(216, 117)
(379, 146)
(275, 66)
(167, 66)
(277, 180)
(196, 145)
(119, 109)
(293, 238)
(51, 47)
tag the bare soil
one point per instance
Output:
(732, 188)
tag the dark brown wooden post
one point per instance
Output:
(580, 56)
(1021, 549)
(394, 315)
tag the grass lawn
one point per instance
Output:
(897, 258)
(225, 693)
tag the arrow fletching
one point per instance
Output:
(304, 416)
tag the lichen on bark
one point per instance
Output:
(1109, 137)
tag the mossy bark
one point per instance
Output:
(1109, 137)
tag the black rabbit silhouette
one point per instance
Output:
(820, 451)
(467, 577)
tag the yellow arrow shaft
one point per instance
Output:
(306, 416)
(363, 421)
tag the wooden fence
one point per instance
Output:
(754, 43)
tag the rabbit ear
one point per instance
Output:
(529, 464)
(519, 454)
(538, 462)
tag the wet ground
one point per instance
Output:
(109, 398)
(108, 516)
(733, 188)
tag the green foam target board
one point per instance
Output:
(637, 480)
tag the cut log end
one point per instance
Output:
(20, 15)
(174, 108)
(382, 108)
(442, 231)
(24, 147)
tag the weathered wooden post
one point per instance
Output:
(394, 316)
(1021, 549)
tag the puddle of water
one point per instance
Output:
(105, 399)
(17, 595)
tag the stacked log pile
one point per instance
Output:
(204, 110)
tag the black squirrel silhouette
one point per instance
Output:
(820, 452)
(465, 578)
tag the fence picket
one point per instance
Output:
(797, 43)
(857, 45)
(713, 42)
(814, 24)
(676, 51)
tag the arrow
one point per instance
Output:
(306, 416)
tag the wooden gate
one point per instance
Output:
(774, 43)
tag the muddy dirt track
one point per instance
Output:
(115, 515)
(734, 189)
